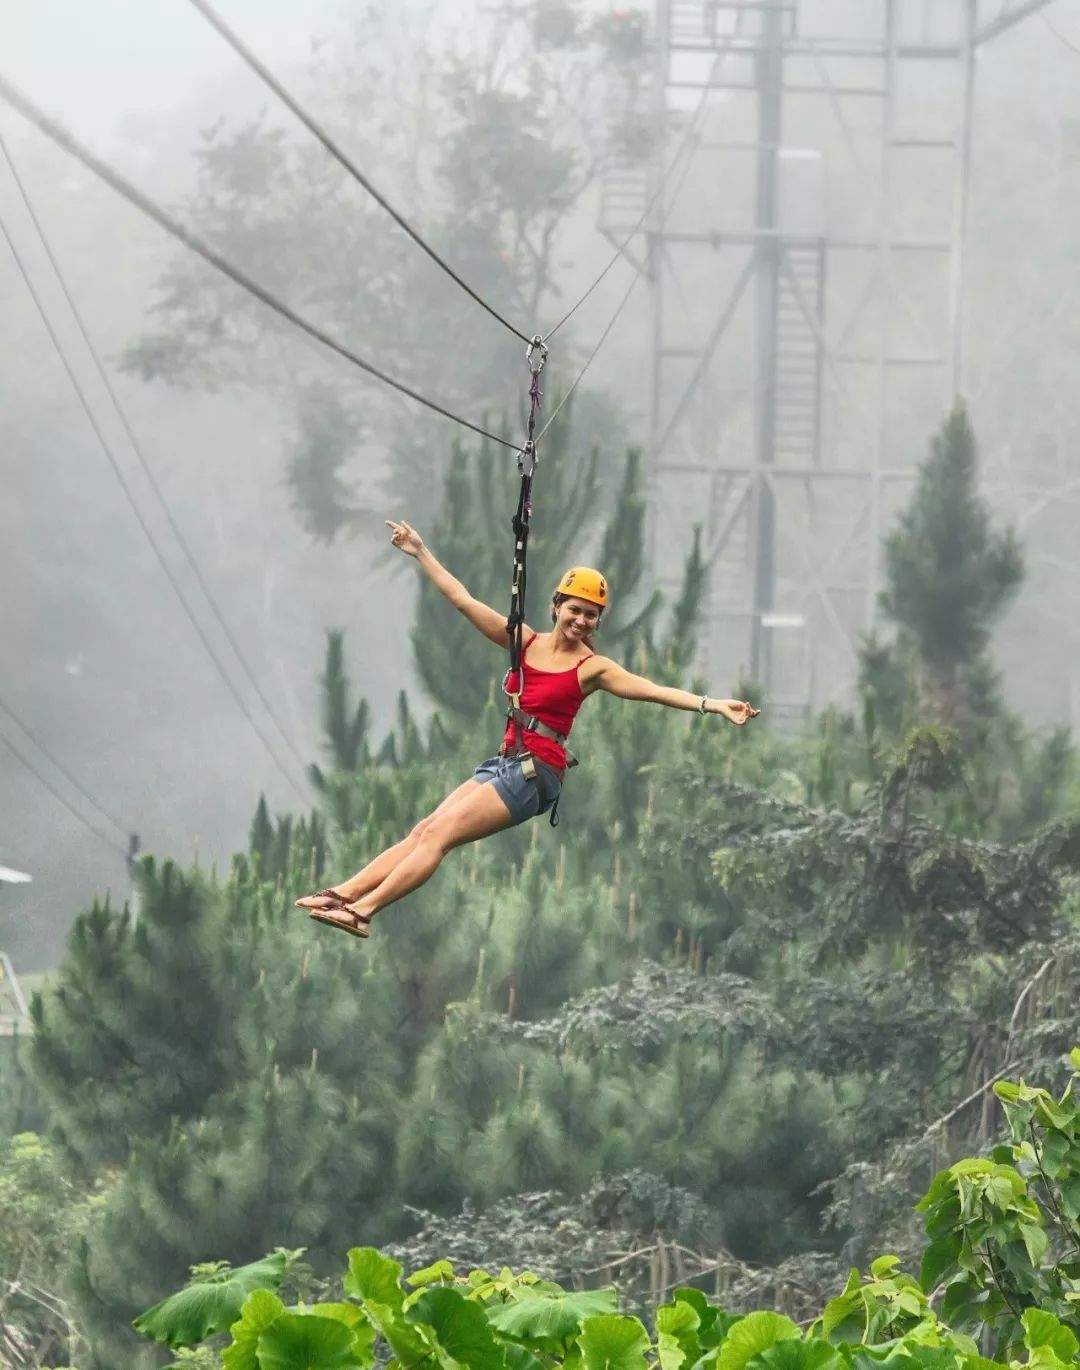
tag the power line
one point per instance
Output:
(111, 177)
(111, 456)
(108, 842)
(94, 803)
(189, 556)
(238, 46)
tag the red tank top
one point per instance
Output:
(554, 697)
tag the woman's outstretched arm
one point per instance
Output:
(492, 624)
(604, 674)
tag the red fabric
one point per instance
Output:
(554, 697)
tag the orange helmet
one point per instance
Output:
(582, 582)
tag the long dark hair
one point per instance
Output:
(588, 638)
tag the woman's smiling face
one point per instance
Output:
(577, 617)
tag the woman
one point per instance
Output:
(560, 671)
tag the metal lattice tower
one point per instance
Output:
(807, 291)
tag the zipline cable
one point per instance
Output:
(94, 803)
(108, 842)
(26, 107)
(638, 272)
(147, 469)
(246, 55)
(117, 471)
(603, 338)
(684, 144)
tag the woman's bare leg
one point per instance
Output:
(477, 814)
(376, 871)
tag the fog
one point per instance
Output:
(97, 657)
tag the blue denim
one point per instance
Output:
(524, 798)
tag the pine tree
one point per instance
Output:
(950, 576)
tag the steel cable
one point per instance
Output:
(147, 469)
(638, 273)
(684, 144)
(26, 107)
(61, 800)
(246, 55)
(115, 465)
(94, 803)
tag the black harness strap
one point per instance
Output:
(513, 683)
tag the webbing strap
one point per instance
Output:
(513, 684)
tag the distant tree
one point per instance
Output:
(949, 575)
(487, 138)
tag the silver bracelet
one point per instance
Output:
(701, 706)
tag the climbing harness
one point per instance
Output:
(530, 722)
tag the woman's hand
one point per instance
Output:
(405, 538)
(736, 711)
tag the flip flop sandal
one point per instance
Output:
(339, 901)
(360, 927)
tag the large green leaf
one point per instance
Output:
(375, 1280)
(461, 1328)
(939, 1261)
(300, 1341)
(613, 1341)
(261, 1308)
(209, 1305)
(558, 1316)
(753, 1334)
(1043, 1329)
(354, 1318)
(798, 1355)
(676, 1335)
(713, 1322)
(373, 1277)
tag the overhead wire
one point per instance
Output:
(654, 198)
(246, 55)
(60, 799)
(75, 784)
(683, 147)
(1062, 39)
(147, 531)
(30, 111)
(137, 448)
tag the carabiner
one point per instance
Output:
(537, 345)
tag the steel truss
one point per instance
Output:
(807, 293)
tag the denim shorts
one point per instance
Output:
(524, 798)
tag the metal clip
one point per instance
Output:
(537, 345)
(527, 459)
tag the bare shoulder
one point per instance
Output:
(592, 671)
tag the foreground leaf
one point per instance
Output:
(261, 1309)
(209, 1305)
(299, 1341)
(613, 1342)
(551, 1316)
(752, 1334)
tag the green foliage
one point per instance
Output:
(1006, 1229)
(42, 1218)
(1008, 1285)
